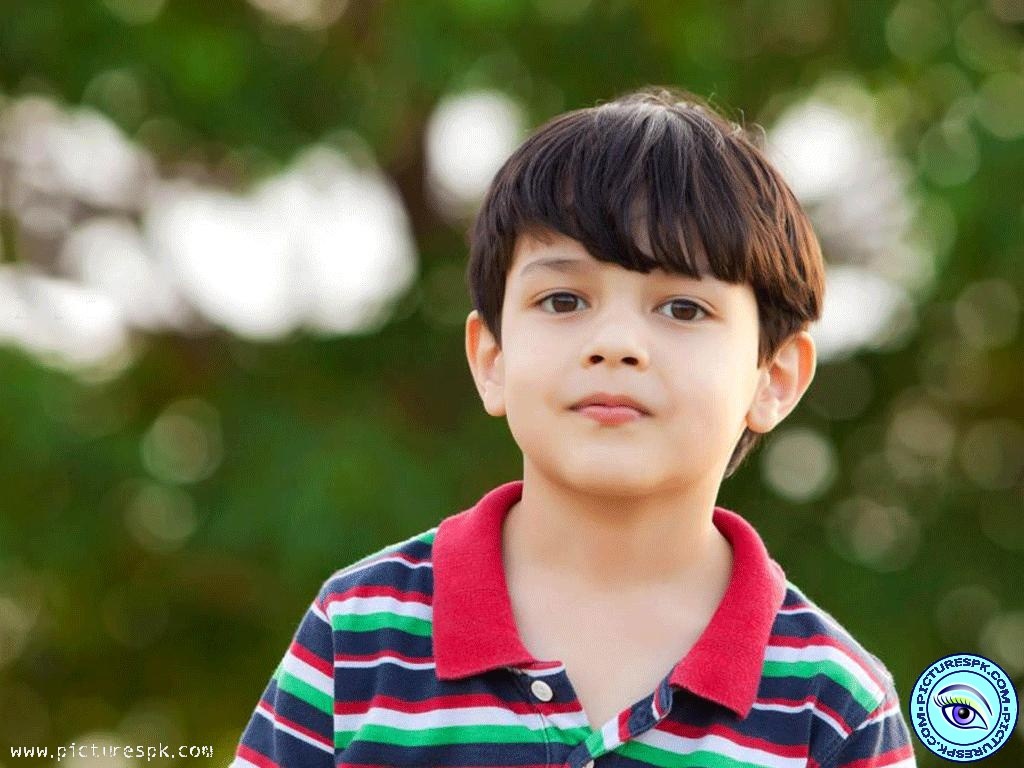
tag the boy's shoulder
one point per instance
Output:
(402, 567)
(809, 642)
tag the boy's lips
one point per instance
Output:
(610, 414)
(609, 402)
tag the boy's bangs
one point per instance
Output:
(632, 192)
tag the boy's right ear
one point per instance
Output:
(486, 364)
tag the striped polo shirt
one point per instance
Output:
(411, 657)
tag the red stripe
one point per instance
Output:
(382, 655)
(794, 607)
(306, 655)
(695, 732)
(880, 760)
(450, 702)
(376, 590)
(624, 725)
(541, 665)
(788, 641)
(247, 753)
(317, 737)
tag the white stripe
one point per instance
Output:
(907, 762)
(362, 606)
(241, 762)
(825, 653)
(296, 667)
(542, 672)
(824, 716)
(717, 744)
(457, 716)
(565, 721)
(370, 663)
(610, 734)
(292, 732)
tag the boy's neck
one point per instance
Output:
(616, 544)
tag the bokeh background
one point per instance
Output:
(232, 245)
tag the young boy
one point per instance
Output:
(642, 280)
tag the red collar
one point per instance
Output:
(475, 631)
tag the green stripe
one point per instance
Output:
(704, 758)
(458, 734)
(830, 669)
(300, 689)
(371, 622)
(427, 537)
(570, 736)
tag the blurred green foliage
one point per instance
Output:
(333, 448)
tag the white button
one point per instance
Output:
(590, 764)
(541, 690)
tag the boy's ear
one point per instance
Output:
(782, 382)
(486, 364)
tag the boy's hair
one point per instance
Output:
(698, 183)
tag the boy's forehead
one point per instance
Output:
(552, 250)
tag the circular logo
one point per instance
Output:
(963, 707)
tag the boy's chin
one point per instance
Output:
(612, 479)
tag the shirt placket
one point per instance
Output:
(553, 693)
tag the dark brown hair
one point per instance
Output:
(697, 183)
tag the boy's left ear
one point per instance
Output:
(783, 381)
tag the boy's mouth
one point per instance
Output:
(610, 403)
(610, 414)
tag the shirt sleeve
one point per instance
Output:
(881, 741)
(293, 723)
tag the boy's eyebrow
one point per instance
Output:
(556, 263)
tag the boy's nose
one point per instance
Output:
(627, 359)
(616, 343)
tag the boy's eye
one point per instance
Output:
(680, 309)
(562, 298)
(686, 309)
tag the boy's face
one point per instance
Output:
(685, 349)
